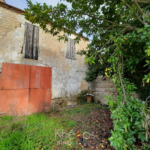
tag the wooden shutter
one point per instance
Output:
(31, 41)
(35, 42)
(71, 49)
(68, 48)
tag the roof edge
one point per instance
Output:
(10, 7)
(20, 11)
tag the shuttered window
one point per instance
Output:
(71, 53)
(31, 41)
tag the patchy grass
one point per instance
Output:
(83, 109)
(43, 131)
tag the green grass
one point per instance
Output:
(37, 131)
(83, 109)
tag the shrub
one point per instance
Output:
(128, 119)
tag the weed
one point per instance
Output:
(7, 118)
(81, 98)
(16, 126)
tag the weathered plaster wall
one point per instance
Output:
(67, 74)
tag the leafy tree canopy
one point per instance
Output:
(120, 48)
(92, 17)
(120, 31)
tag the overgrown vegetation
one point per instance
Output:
(120, 45)
(128, 118)
(81, 98)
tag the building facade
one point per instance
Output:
(24, 43)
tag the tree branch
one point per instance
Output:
(138, 7)
(144, 2)
(128, 26)
(134, 13)
(108, 21)
(112, 38)
(124, 92)
(102, 19)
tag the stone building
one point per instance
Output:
(68, 68)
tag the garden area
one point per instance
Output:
(119, 49)
(86, 126)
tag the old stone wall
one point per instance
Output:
(67, 74)
(101, 87)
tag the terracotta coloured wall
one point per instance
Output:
(24, 89)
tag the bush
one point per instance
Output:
(128, 119)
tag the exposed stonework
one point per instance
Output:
(61, 102)
(100, 88)
(67, 74)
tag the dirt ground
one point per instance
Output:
(93, 128)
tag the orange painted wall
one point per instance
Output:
(24, 89)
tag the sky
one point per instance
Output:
(23, 4)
